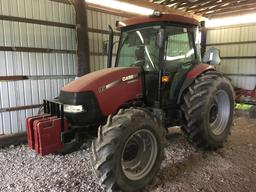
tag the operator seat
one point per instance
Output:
(140, 57)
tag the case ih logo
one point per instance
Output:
(129, 77)
(112, 84)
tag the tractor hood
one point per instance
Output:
(110, 87)
(97, 80)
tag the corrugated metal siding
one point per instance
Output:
(38, 9)
(19, 34)
(28, 92)
(239, 34)
(98, 20)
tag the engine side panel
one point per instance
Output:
(111, 98)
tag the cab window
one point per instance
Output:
(138, 49)
(179, 51)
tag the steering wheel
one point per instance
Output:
(138, 63)
(156, 57)
(144, 62)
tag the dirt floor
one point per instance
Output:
(230, 169)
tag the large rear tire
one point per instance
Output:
(128, 151)
(208, 107)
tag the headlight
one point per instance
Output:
(73, 108)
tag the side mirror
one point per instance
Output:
(160, 38)
(105, 46)
(212, 56)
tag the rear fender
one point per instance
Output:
(192, 75)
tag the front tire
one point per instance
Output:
(128, 151)
(208, 107)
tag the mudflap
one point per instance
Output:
(45, 132)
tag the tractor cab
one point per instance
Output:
(166, 48)
(161, 49)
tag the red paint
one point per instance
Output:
(250, 95)
(198, 69)
(163, 18)
(47, 135)
(36, 133)
(110, 99)
(43, 133)
(30, 129)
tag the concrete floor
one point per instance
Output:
(232, 168)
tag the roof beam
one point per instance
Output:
(170, 2)
(234, 5)
(166, 2)
(207, 5)
(213, 8)
(199, 2)
(161, 8)
(232, 11)
(229, 9)
(230, 14)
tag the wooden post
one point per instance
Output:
(83, 51)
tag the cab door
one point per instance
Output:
(180, 55)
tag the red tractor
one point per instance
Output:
(158, 81)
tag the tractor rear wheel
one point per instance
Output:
(208, 107)
(128, 151)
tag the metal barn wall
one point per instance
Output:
(38, 53)
(237, 45)
(37, 43)
(99, 22)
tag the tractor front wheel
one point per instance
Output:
(208, 108)
(128, 151)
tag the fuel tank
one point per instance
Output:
(111, 87)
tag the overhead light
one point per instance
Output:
(127, 7)
(235, 20)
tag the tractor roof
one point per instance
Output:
(174, 18)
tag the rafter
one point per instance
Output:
(222, 5)
(166, 2)
(209, 7)
(197, 3)
(228, 8)
(208, 4)
(162, 8)
(229, 14)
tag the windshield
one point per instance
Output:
(138, 48)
